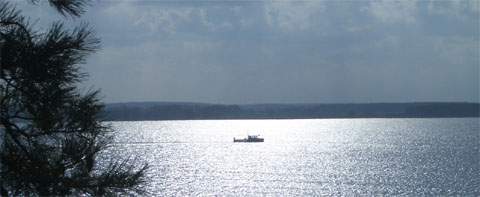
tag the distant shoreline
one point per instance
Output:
(296, 118)
(137, 111)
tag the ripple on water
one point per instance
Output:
(307, 157)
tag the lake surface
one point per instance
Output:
(307, 157)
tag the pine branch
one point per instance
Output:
(68, 7)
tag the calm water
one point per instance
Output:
(308, 157)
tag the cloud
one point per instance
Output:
(154, 19)
(170, 17)
(284, 51)
(293, 15)
(455, 8)
(387, 11)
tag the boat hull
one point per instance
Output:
(248, 140)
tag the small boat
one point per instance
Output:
(250, 138)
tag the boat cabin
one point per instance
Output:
(250, 138)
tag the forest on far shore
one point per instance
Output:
(197, 111)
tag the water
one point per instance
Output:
(307, 157)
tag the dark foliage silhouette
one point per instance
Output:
(52, 135)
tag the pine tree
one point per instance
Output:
(52, 134)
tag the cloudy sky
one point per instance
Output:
(281, 51)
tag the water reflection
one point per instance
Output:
(308, 157)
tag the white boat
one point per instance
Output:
(250, 138)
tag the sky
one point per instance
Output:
(280, 51)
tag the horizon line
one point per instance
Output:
(298, 103)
